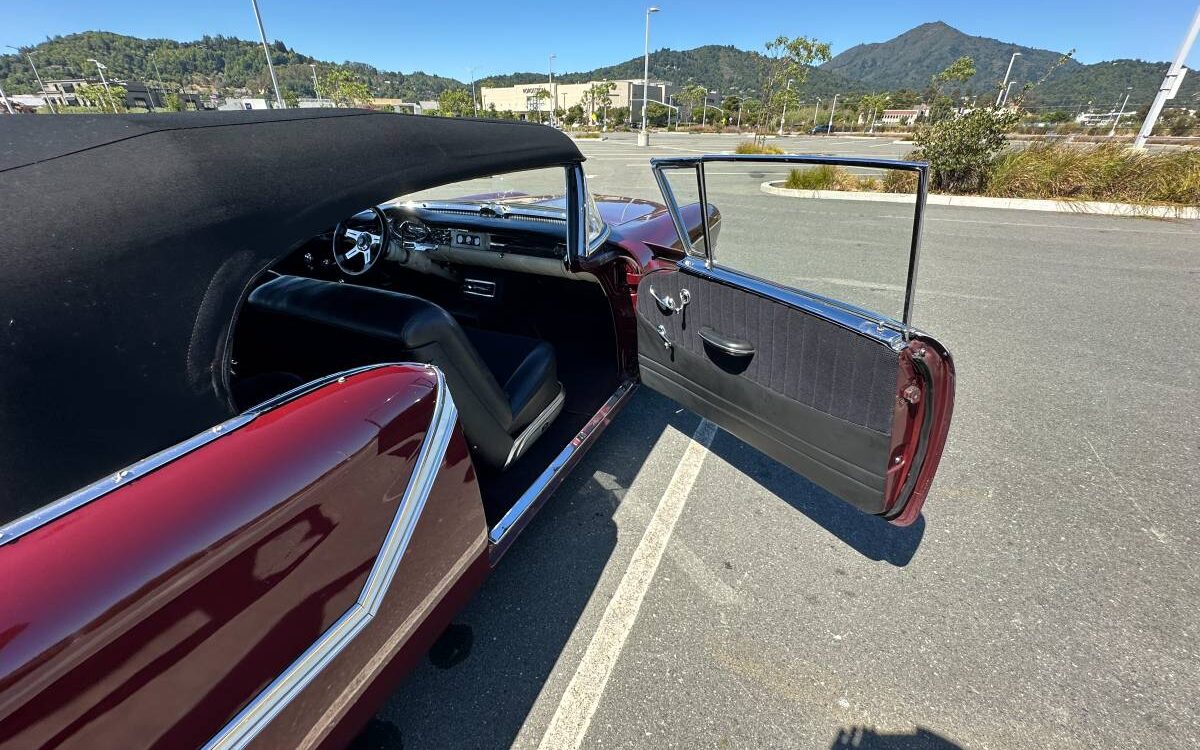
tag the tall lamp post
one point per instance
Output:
(1007, 90)
(1120, 114)
(832, 109)
(816, 111)
(474, 103)
(7, 105)
(316, 86)
(1170, 84)
(1003, 86)
(42, 86)
(262, 33)
(782, 115)
(104, 82)
(553, 98)
(644, 136)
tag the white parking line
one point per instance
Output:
(571, 720)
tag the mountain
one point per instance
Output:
(911, 59)
(720, 68)
(207, 64)
(1104, 84)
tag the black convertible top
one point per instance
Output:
(127, 244)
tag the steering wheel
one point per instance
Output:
(358, 244)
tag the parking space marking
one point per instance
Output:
(571, 719)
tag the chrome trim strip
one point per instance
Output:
(244, 727)
(101, 487)
(508, 527)
(847, 316)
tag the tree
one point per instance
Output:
(598, 98)
(786, 59)
(693, 95)
(656, 114)
(535, 103)
(291, 99)
(173, 103)
(872, 106)
(455, 103)
(344, 88)
(574, 114)
(93, 96)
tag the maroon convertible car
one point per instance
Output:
(265, 426)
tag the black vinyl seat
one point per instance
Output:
(506, 387)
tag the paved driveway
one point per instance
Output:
(1047, 598)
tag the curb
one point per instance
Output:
(1098, 208)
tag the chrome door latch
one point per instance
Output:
(668, 305)
(662, 334)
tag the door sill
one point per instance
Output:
(501, 536)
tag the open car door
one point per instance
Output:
(765, 324)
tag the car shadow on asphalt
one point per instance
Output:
(866, 738)
(868, 535)
(508, 639)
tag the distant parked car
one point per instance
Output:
(826, 129)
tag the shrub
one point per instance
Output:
(898, 181)
(961, 151)
(750, 147)
(1107, 172)
(822, 177)
(586, 134)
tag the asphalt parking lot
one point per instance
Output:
(1047, 598)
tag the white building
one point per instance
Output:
(524, 100)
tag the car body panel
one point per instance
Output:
(151, 615)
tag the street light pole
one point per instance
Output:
(644, 136)
(267, 51)
(7, 105)
(832, 109)
(1006, 91)
(474, 103)
(104, 81)
(1120, 114)
(786, 91)
(816, 111)
(553, 98)
(316, 86)
(1170, 84)
(1011, 60)
(42, 86)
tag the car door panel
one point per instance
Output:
(855, 401)
(807, 396)
(192, 587)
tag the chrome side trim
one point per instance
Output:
(244, 727)
(863, 322)
(508, 527)
(94, 491)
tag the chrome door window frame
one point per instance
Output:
(661, 164)
(577, 202)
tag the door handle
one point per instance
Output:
(727, 344)
(668, 305)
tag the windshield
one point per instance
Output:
(541, 189)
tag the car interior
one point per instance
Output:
(477, 286)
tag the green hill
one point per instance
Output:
(210, 63)
(911, 59)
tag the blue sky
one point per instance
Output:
(498, 37)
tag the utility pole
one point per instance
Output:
(1004, 84)
(553, 98)
(1120, 114)
(41, 86)
(1170, 84)
(104, 81)
(644, 136)
(787, 90)
(267, 51)
(474, 103)
(832, 109)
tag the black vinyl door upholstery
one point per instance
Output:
(809, 392)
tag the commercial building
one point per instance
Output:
(526, 101)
